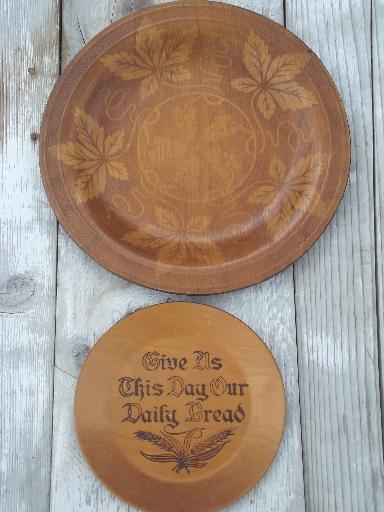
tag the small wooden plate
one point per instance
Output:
(180, 407)
(195, 147)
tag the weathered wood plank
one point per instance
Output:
(335, 288)
(90, 300)
(378, 108)
(29, 36)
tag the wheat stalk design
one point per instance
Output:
(156, 439)
(182, 455)
(212, 441)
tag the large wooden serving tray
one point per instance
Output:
(179, 408)
(195, 147)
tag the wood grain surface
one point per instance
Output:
(378, 167)
(335, 288)
(337, 338)
(29, 67)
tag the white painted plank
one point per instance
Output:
(29, 35)
(378, 107)
(90, 300)
(335, 288)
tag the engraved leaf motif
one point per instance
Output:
(264, 194)
(148, 44)
(266, 104)
(256, 57)
(126, 65)
(177, 49)
(278, 216)
(176, 73)
(206, 252)
(90, 183)
(155, 58)
(148, 86)
(288, 190)
(171, 252)
(92, 154)
(245, 85)
(300, 178)
(272, 80)
(179, 241)
(276, 169)
(292, 96)
(117, 170)
(114, 143)
(89, 132)
(75, 155)
(141, 238)
(285, 67)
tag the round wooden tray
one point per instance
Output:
(179, 407)
(195, 148)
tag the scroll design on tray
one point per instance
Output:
(172, 162)
(185, 454)
(272, 80)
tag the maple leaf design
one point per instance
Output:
(272, 80)
(288, 190)
(93, 154)
(178, 242)
(154, 59)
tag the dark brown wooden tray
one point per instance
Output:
(195, 148)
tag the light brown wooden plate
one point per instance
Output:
(195, 147)
(180, 407)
